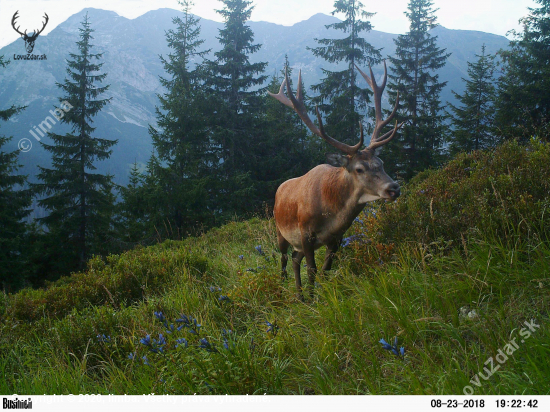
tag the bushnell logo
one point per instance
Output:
(29, 39)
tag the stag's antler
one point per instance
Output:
(37, 32)
(297, 104)
(376, 140)
(15, 17)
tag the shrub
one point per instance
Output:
(504, 193)
(120, 280)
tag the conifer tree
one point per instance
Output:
(132, 223)
(80, 203)
(523, 103)
(340, 98)
(413, 73)
(238, 132)
(473, 120)
(182, 140)
(14, 203)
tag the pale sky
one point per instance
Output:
(491, 16)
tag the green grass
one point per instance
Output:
(379, 289)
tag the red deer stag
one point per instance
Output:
(317, 208)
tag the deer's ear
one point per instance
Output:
(337, 160)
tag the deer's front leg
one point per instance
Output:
(332, 248)
(308, 244)
(296, 262)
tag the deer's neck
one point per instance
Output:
(346, 200)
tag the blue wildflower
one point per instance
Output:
(226, 332)
(132, 356)
(146, 340)
(241, 257)
(145, 360)
(259, 249)
(182, 342)
(197, 325)
(272, 327)
(160, 316)
(226, 344)
(103, 338)
(252, 345)
(170, 329)
(358, 221)
(385, 344)
(223, 298)
(204, 344)
(185, 320)
(215, 289)
(393, 348)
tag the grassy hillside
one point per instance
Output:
(453, 270)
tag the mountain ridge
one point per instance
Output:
(131, 50)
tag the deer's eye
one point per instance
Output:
(359, 170)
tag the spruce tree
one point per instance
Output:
(523, 103)
(132, 222)
(340, 98)
(238, 123)
(413, 74)
(14, 203)
(182, 140)
(79, 202)
(473, 120)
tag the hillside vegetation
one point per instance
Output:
(452, 270)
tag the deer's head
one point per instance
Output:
(29, 39)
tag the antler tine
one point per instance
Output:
(281, 95)
(376, 140)
(385, 139)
